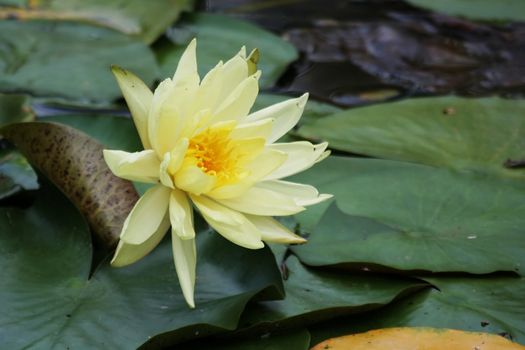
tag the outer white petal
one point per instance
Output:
(177, 155)
(138, 97)
(239, 102)
(157, 118)
(146, 216)
(233, 73)
(265, 163)
(260, 128)
(231, 190)
(302, 194)
(185, 258)
(164, 176)
(181, 215)
(186, 73)
(285, 114)
(209, 91)
(301, 156)
(231, 224)
(262, 201)
(272, 231)
(127, 254)
(139, 166)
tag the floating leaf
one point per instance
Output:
(484, 304)
(112, 131)
(68, 60)
(15, 172)
(296, 340)
(220, 37)
(146, 20)
(415, 217)
(418, 338)
(459, 133)
(314, 295)
(14, 109)
(49, 302)
(513, 10)
(73, 161)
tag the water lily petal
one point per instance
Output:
(209, 90)
(302, 194)
(231, 224)
(146, 216)
(272, 231)
(265, 163)
(185, 258)
(231, 190)
(263, 201)
(301, 156)
(157, 115)
(138, 97)
(192, 179)
(177, 155)
(127, 254)
(138, 166)
(233, 73)
(181, 215)
(248, 149)
(240, 100)
(285, 114)
(186, 74)
(164, 176)
(242, 52)
(260, 128)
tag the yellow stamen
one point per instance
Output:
(214, 153)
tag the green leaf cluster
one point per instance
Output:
(425, 229)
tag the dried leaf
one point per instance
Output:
(73, 162)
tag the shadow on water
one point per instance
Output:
(355, 52)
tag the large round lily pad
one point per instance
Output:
(493, 305)
(416, 217)
(68, 59)
(49, 301)
(479, 135)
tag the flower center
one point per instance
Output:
(213, 152)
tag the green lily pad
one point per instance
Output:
(68, 60)
(113, 132)
(219, 38)
(415, 217)
(489, 304)
(296, 340)
(313, 295)
(18, 3)
(14, 109)
(49, 302)
(460, 133)
(15, 172)
(503, 10)
(146, 20)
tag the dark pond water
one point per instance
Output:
(355, 52)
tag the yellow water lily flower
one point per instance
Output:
(203, 147)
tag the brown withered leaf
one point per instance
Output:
(73, 161)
